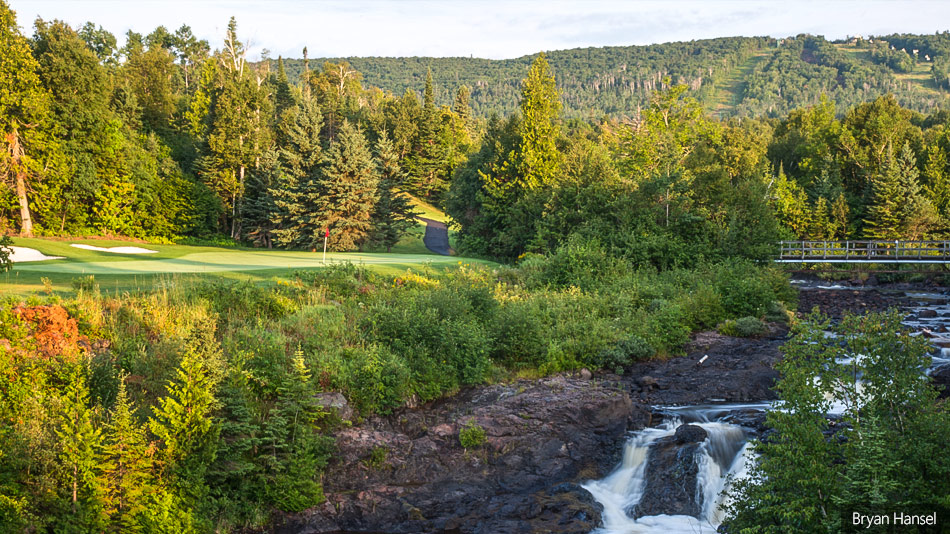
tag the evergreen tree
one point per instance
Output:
(294, 215)
(295, 451)
(348, 191)
(426, 165)
(540, 127)
(81, 442)
(393, 214)
(283, 96)
(127, 468)
(187, 429)
(883, 219)
(821, 224)
(24, 109)
(938, 180)
(916, 212)
(839, 218)
(462, 109)
(259, 207)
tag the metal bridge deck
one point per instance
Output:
(912, 252)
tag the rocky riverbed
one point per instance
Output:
(408, 472)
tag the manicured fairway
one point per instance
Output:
(138, 271)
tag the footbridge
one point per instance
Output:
(912, 252)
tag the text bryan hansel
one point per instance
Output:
(896, 519)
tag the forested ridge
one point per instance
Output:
(631, 195)
(734, 76)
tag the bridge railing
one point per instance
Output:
(864, 251)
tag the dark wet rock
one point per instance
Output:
(670, 479)
(837, 302)
(750, 419)
(690, 434)
(927, 314)
(940, 377)
(647, 382)
(543, 438)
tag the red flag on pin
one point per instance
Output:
(327, 234)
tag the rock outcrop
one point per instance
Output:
(543, 438)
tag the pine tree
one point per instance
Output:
(393, 214)
(540, 127)
(821, 225)
(294, 217)
(24, 109)
(188, 431)
(295, 451)
(127, 468)
(426, 166)
(916, 212)
(348, 191)
(283, 96)
(883, 219)
(839, 218)
(938, 181)
(462, 108)
(259, 206)
(80, 453)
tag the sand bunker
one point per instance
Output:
(116, 250)
(24, 254)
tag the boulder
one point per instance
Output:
(940, 377)
(335, 402)
(690, 434)
(927, 314)
(647, 382)
(671, 476)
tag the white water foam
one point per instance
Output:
(722, 458)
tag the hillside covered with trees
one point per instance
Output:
(733, 77)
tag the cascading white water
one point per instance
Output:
(721, 458)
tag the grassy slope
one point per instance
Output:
(729, 92)
(412, 242)
(130, 272)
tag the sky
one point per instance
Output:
(495, 29)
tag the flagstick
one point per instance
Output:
(325, 249)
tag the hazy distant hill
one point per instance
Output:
(736, 76)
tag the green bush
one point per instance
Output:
(340, 281)
(233, 300)
(471, 435)
(626, 351)
(777, 313)
(744, 327)
(667, 328)
(85, 283)
(579, 262)
(377, 380)
(5, 251)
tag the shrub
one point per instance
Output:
(744, 327)
(377, 379)
(471, 435)
(667, 328)
(625, 352)
(244, 300)
(340, 280)
(5, 252)
(85, 284)
(579, 262)
(778, 313)
(377, 457)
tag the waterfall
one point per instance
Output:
(724, 456)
